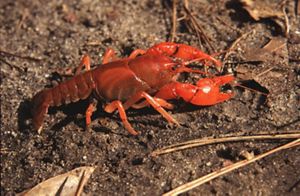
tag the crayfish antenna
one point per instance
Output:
(40, 103)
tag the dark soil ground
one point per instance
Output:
(58, 33)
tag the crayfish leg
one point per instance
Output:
(109, 56)
(88, 113)
(133, 102)
(137, 52)
(161, 102)
(86, 61)
(118, 105)
(156, 103)
(159, 108)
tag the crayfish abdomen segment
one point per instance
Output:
(79, 87)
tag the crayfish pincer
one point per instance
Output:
(146, 77)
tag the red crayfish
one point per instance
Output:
(144, 78)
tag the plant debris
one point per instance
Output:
(275, 47)
(70, 183)
(258, 10)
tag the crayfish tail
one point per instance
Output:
(40, 103)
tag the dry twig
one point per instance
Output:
(227, 169)
(94, 43)
(207, 141)
(19, 68)
(265, 72)
(297, 7)
(12, 65)
(197, 27)
(287, 24)
(234, 44)
(5, 53)
(25, 14)
(174, 19)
